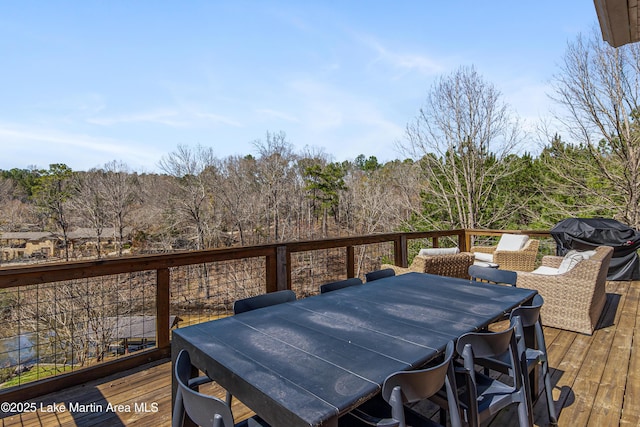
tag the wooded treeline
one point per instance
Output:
(467, 163)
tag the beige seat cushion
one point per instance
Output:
(548, 271)
(481, 256)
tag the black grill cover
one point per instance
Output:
(587, 233)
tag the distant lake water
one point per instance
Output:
(17, 350)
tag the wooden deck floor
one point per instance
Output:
(596, 381)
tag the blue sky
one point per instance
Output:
(87, 82)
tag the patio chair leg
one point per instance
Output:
(523, 413)
(553, 417)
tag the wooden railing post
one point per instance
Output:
(466, 239)
(351, 262)
(162, 308)
(279, 270)
(400, 252)
(272, 271)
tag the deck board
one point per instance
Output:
(607, 405)
(631, 405)
(596, 380)
(149, 384)
(589, 377)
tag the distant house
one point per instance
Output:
(84, 240)
(28, 244)
(44, 244)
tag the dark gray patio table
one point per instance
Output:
(307, 362)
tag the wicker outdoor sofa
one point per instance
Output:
(572, 300)
(451, 265)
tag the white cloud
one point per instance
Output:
(529, 99)
(164, 117)
(218, 119)
(22, 147)
(277, 114)
(322, 106)
(176, 118)
(345, 123)
(404, 61)
(74, 104)
(78, 141)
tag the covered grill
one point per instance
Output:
(588, 233)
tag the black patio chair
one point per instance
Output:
(263, 300)
(379, 274)
(481, 395)
(407, 387)
(204, 410)
(492, 275)
(530, 318)
(340, 284)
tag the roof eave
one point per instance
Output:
(618, 21)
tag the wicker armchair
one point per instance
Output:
(453, 265)
(573, 300)
(521, 260)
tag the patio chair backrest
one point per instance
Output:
(379, 274)
(476, 345)
(412, 386)
(529, 314)
(530, 317)
(203, 409)
(492, 275)
(264, 300)
(340, 284)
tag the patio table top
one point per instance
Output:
(307, 362)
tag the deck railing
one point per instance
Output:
(86, 319)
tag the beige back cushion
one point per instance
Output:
(438, 251)
(572, 258)
(512, 242)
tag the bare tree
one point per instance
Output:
(15, 214)
(89, 203)
(372, 200)
(463, 136)
(52, 194)
(237, 189)
(120, 191)
(375, 202)
(599, 89)
(193, 200)
(275, 173)
(6, 190)
(151, 231)
(408, 182)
